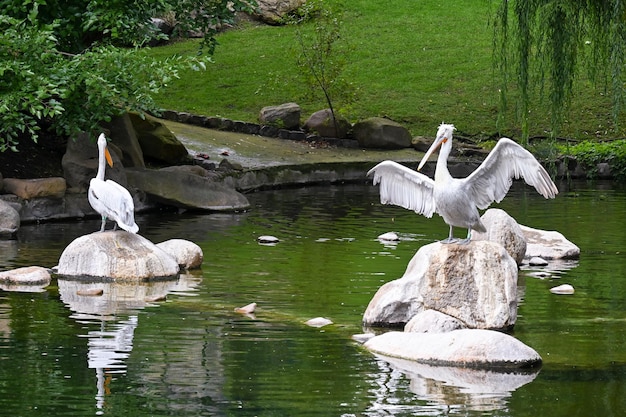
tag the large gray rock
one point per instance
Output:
(272, 12)
(80, 164)
(321, 122)
(187, 190)
(28, 189)
(9, 220)
(378, 132)
(284, 116)
(473, 348)
(548, 245)
(503, 229)
(116, 255)
(474, 283)
(157, 141)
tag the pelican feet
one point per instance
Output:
(449, 240)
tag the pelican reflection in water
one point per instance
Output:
(457, 200)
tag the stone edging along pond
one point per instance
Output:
(566, 167)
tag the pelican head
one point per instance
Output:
(102, 144)
(444, 134)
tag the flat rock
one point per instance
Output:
(473, 348)
(31, 275)
(116, 255)
(186, 253)
(548, 245)
(187, 190)
(33, 188)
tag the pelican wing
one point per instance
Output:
(493, 178)
(124, 205)
(404, 187)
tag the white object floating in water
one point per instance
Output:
(362, 337)
(537, 261)
(389, 237)
(267, 239)
(247, 309)
(562, 289)
(318, 322)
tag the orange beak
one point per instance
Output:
(107, 155)
(432, 149)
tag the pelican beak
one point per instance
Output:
(432, 149)
(107, 155)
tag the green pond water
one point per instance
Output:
(62, 354)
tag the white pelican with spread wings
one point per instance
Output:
(457, 200)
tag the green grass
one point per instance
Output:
(418, 62)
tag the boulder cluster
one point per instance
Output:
(456, 302)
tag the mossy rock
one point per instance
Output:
(156, 140)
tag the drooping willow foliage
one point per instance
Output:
(546, 44)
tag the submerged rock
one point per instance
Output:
(116, 255)
(475, 283)
(473, 348)
(318, 322)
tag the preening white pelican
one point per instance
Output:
(108, 198)
(457, 200)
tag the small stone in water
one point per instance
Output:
(562, 289)
(92, 292)
(247, 309)
(537, 261)
(318, 322)
(389, 236)
(155, 298)
(267, 239)
(363, 337)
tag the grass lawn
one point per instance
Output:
(418, 62)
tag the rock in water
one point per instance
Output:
(116, 255)
(187, 254)
(475, 283)
(467, 348)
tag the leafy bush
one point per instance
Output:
(67, 66)
(590, 154)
